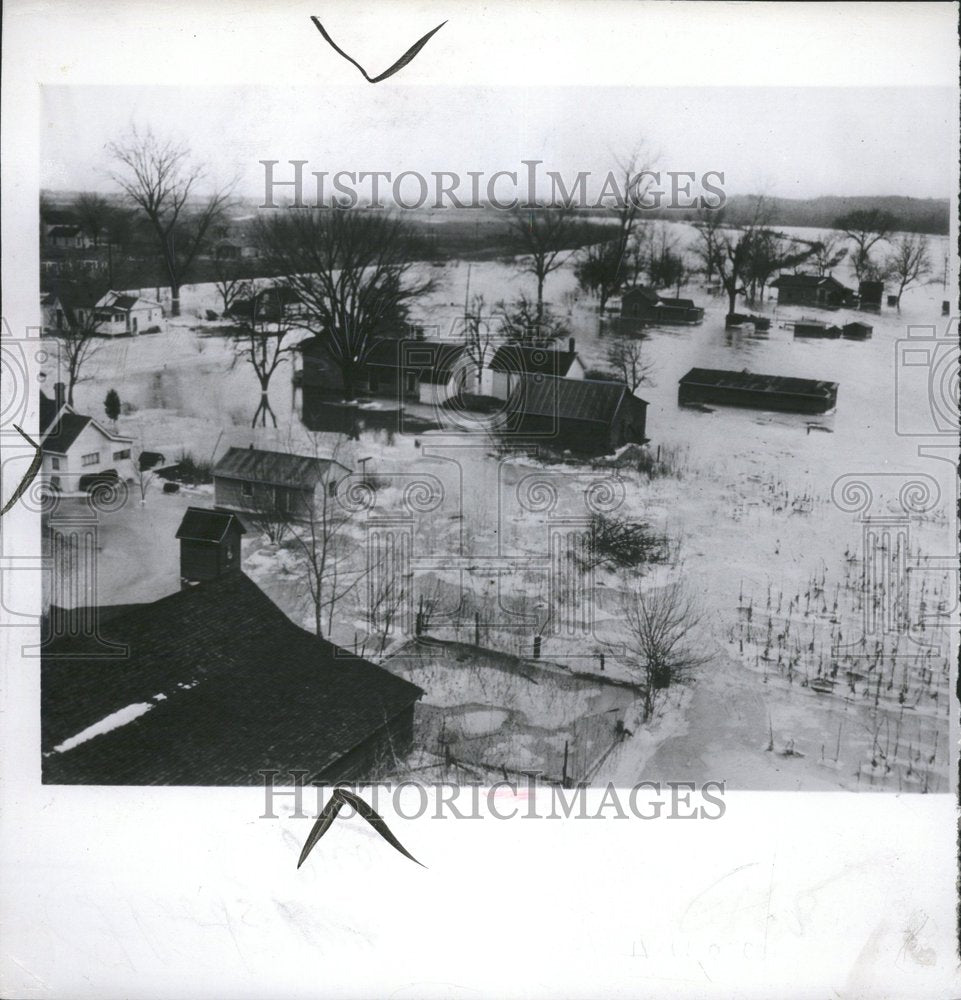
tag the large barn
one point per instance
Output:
(213, 685)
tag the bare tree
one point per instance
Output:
(661, 648)
(478, 336)
(144, 479)
(78, 291)
(547, 236)
(319, 536)
(521, 322)
(866, 228)
(665, 265)
(909, 263)
(264, 327)
(93, 214)
(353, 273)
(230, 286)
(624, 355)
(829, 253)
(709, 225)
(160, 180)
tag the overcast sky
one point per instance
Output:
(789, 142)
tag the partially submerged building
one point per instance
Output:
(820, 290)
(764, 392)
(425, 371)
(646, 306)
(586, 415)
(511, 362)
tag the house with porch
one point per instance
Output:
(119, 314)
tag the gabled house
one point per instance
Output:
(54, 312)
(587, 415)
(268, 305)
(257, 482)
(513, 361)
(119, 314)
(822, 291)
(424, 370)
(214, 686)
(647, 306)
(857, 330)
(77, 451)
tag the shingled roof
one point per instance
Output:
(531, 360)
(429, 357)
(225, 685)
(277, 468)
(63, 434)
(586, 400)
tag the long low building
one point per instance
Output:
(764, 392)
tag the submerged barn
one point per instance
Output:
(764, 392)
(587, 415)
(211, 686)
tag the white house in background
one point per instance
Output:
(121, 313)
(512, 362)
(75, 446)
(67, 237)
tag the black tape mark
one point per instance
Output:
(399, 65)
(30, 474)
(328, 814)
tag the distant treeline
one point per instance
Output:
(914, 215)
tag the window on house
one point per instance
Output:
(247, 491)
(92, 459)
(54, 463)
(124, 453)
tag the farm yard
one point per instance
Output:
(820, 669)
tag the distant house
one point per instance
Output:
(822, 291)
(253, 481)
(647, 306)
(424, 370)
(268, 305)
(67, 237)
(55, 316)
(77, 452)
(214, 686)
(119, 314)
(816, 328)
(317, 370)
(209, 544)
(512, 361)
(587, 415)
(225, 250)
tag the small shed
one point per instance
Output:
(209, 544)
(857, 330)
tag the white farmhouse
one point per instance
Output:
(78, 451)
(121, 313)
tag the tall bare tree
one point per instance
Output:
(521, 322)
(829, 253)
(625, 356)
(546, 235)
(160, 179)
(865, 228)
(264, 327)
(93, 214)
(353, 272)
(909, 263)
(478, 336)
(661, 648)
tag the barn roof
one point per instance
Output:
(755, 382)
(805, 281)
(200, 524)
(279, 468)
(641, 292)
(426, 356)
(529, 360)
(242, 688)
(587, 400)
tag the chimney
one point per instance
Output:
(570, 346)
(59, 394)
